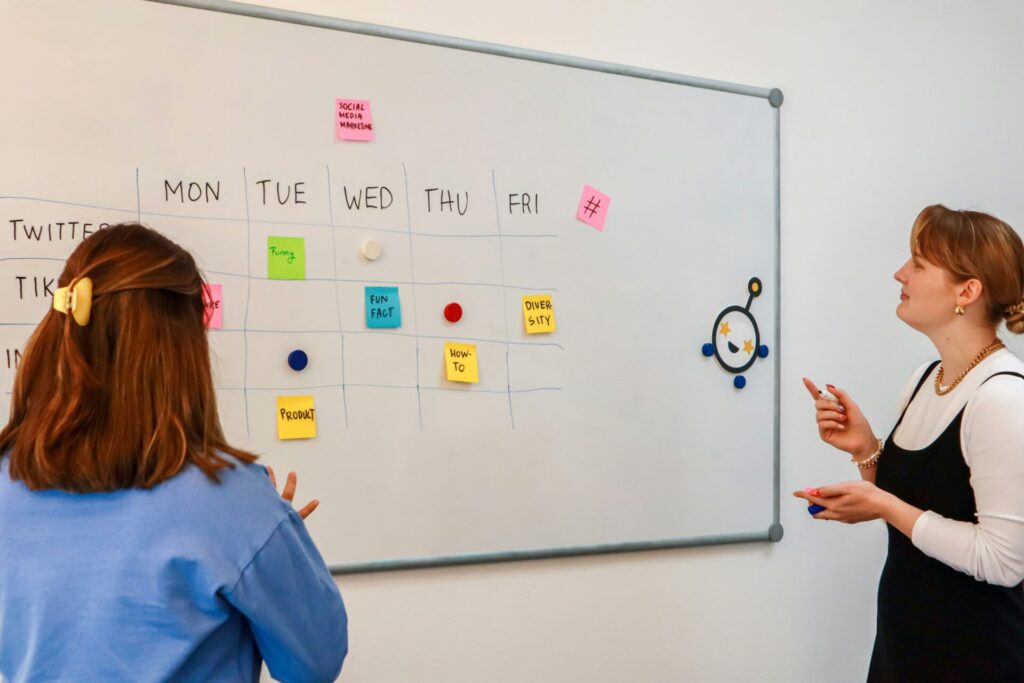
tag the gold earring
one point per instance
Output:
(959, 310)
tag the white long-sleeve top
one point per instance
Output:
(992, 441)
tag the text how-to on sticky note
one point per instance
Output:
(593, 207)
(296, 417)
(353, 120)
(383, 308)
(213, 306)
(538, 313)
(460, 362)
(286, 258)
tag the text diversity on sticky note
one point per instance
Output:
(382, 307)
(538, 313)
(353, 120)
(593, 207)
(460, 362)
(213, 306)
(286, 258)
(296, 417)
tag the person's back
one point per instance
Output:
(136, 544)
(160, 584)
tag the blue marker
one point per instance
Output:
(813, 509)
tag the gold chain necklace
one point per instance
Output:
(985, 353)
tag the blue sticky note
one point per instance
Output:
(382, 307)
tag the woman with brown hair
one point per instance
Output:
(949, 479)
(137, 544)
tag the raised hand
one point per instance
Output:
(289, 492)
(841, 423)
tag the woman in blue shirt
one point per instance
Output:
(136, 543)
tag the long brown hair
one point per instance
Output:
(972, 244)
(126, 400)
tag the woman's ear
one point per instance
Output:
(970, 291)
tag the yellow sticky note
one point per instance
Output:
(538, 314)
(296, 417)
(460, 362)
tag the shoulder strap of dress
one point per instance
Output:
(1005, 372)
(920, 383)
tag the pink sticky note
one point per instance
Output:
(353, 120)
(593, 207)
(213, 303)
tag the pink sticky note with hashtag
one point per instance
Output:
(353, 120)
(593, 207)
(213, 305)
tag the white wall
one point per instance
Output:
(889, 106)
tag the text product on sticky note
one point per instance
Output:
(593, 207)
(382, 307)
(538, 314)
(460, 362)
(286, 258)
(353, 120)
(296, 417)
(213, 306)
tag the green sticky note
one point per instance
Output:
(286, 258)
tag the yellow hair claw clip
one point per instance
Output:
(77, 299)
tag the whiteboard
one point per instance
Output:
(615, 432)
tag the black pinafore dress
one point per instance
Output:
(935, 623)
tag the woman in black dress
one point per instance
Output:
(949, 478)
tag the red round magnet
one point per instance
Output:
(453, 312)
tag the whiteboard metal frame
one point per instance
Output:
(774, 532)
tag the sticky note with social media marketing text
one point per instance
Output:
(383, 308)
(460, 362)
(538, 313)
(296, 417)
(353, 120)
(213, 306)
(593, 207)
(286, 258)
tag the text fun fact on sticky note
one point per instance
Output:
(383, 308)
(353, 120)
(538, 313)
(286, 258)
(213, 306)
(593, 207)
(296, 417)
(460, 362)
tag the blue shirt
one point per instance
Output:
(188, 581)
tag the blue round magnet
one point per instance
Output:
(739, 381)
(298, 360)
(708, 350)
(762, 351)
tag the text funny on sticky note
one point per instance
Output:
(460, 362)
(538, 314)
(353, 120)
(213, 306)
(286, 258)
(382, 307)
(296, 417)
(593, 207)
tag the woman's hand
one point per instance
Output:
(850, 502)
(859, 501)
(289, 493)
(841, 424)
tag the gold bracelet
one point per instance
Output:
(869, 462)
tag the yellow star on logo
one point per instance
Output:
(725, 329)
(748, 346)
